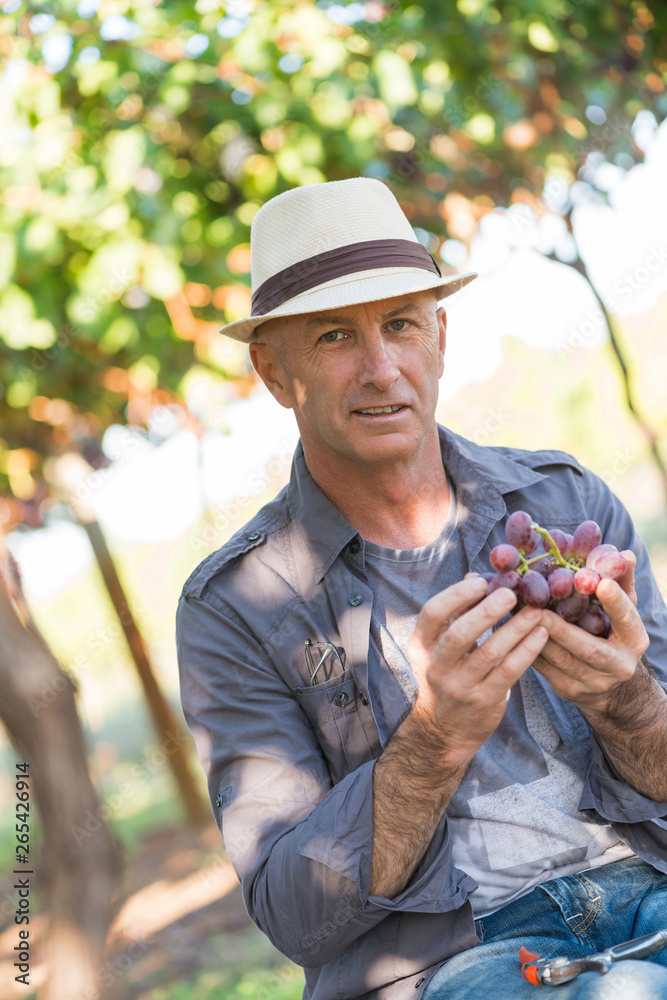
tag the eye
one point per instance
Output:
(402, 324)
(332, 336)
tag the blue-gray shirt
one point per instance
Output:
(293, 763)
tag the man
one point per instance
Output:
(394, 781)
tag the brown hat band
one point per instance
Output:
(323, 267)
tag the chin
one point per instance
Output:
(385, 447)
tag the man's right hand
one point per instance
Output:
(463, 687)
(463, 691)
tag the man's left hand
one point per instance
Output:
(584, 668)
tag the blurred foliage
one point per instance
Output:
(139, 140)
(283, 983)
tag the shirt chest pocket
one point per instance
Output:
(332, 708)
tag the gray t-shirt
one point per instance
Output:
(514, 817)
(402, 580)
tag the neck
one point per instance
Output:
(401, 504)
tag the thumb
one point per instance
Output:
(627, 581)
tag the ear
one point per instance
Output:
(270, 369)
(441, 317)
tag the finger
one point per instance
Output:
(628, 630)
(590, 648)
(440, 609)
(576, 663)
(560, 658)
(516, 662)
(627, 581)
(463, 631)
(625, 621)
(486, 657)
(555, 658)
(470, 576)
(560, 683)
(570, 678)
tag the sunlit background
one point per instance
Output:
(138, 140)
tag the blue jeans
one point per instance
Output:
(571, 916)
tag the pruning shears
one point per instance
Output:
(555, 971)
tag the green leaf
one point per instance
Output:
(394, 75)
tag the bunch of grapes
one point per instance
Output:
(563, 577)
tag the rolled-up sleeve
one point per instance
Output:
(301, 847)
(604, 789)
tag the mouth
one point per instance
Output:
(381, 411)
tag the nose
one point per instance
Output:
(378, 367)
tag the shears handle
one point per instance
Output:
(554, 971)
(528, 968)
(639, 947)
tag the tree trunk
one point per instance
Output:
(79, 862)
(174, 742)
(68, 474)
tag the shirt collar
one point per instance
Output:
(480, 474)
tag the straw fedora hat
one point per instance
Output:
(335, 244)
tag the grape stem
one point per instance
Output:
(554, 551)
(544, 555)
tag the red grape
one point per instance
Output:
(568, 551)
(607, 561)
(587, 537)
(573, 607)
(518, 528)
(504, 558)
(586, 580)
(510, 580)
(595, 621)
(565, 579)
(532, 544)
(534, 589)
(544, 566)
(561, 583)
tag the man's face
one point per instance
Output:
(332, 367)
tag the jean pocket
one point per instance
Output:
(580, 903)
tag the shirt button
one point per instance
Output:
(253, 536)
(354, 546)
(420, 982)
(355, 600)
(363, 698)
(341, 699)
